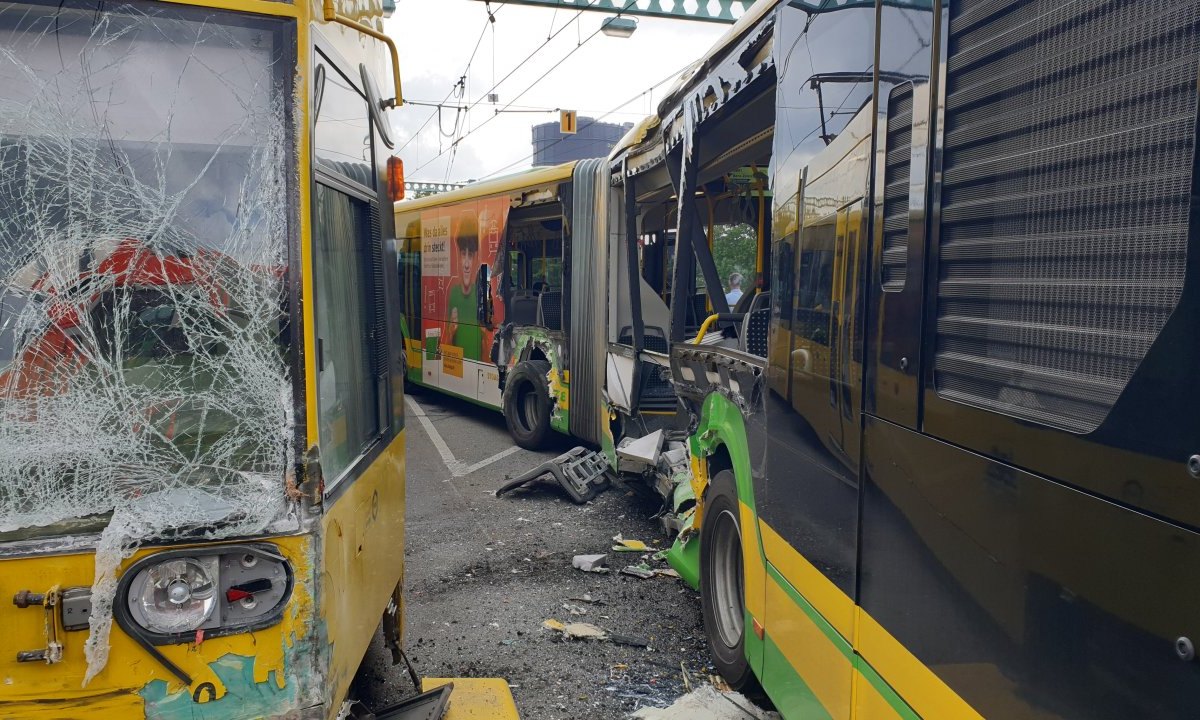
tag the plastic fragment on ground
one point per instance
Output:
(590, 563)
(631, 546)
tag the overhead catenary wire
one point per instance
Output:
(491, 19)
(519, 95)
(593, 121)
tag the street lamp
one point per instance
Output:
(620, 27)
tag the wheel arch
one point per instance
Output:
(720, 443)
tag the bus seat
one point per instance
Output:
(523, 308)
(755, 330)
(549, 310)
(654, 338)
(755, 326)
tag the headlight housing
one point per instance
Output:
(166, 597)
(176, 596)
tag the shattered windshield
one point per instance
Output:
(144, 205)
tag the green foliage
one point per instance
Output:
(735, 249)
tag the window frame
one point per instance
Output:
(322, 52)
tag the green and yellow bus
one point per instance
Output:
(201, 420)
(946, 468)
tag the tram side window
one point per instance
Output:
(349, 396)
(346, 388)
(815, 293)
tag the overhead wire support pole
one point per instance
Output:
(727, 12)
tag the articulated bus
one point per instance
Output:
(521, 294)
(201, 420)
(503, 294)
(945, 467)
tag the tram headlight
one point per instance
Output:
(166, 597)
(177, 595)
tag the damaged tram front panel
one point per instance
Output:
(198, 518)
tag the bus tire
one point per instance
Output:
(527, 404)
(722, 585)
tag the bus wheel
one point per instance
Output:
(722, 584)
(527, 404)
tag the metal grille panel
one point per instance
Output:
(1068, 160)
(896, 173)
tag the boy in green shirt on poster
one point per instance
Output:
(462, 301)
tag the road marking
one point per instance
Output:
(456, 467)
(498, 456)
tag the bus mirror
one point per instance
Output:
(395, 178)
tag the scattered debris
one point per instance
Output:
(577, 630)
(628, 640)
(642, 571)
(645, 572)
(582, 473)
(587, 598)
(630, 546)
(574, 609)
(707, 703)
(636, 455)
(660, 555)
(590, 563)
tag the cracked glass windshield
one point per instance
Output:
(143, 256)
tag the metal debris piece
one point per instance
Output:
(582, 473)
(590, 563)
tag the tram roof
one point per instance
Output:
(504, 184)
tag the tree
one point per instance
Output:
(735, 249)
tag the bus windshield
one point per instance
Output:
(144, 220)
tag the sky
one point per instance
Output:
(603, 75)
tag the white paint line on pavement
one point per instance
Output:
(498, 456)
(443, 449)
(456, 467)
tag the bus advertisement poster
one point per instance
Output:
(456, 242)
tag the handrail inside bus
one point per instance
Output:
(715, 318)
(331, 15)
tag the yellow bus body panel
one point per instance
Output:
(363, 561)
(37, 690)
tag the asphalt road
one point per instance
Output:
(483, 573)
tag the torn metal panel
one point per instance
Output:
(532, 342)
(698, 370)
(145, 385)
